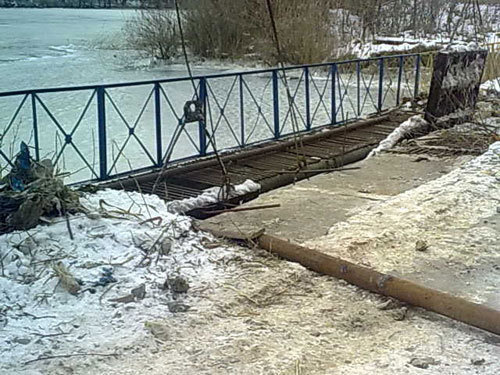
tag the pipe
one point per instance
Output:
(454, 307)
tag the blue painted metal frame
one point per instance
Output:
(159, 148)
(315, 100)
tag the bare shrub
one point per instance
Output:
(154, 32)
(309, 31)
(304, 30)
(228, 28)
(215, 28)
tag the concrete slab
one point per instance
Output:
(310, 207)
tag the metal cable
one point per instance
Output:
(296, 134)
(226, 183)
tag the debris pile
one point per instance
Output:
(32, 190)
(130, 263)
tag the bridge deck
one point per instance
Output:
(272, 165)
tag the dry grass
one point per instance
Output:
(492, 68)
(309, 31)
(304, 30)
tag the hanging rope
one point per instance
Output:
(226, 181)
(299, 146)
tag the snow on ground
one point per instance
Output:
(262, 314)
(370, 49)
(413, 125)
(492, 85)
(40, 318)
(451, 214)
(269, 316)
(399, 45)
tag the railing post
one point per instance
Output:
(35, 126)
(400, 76)
(203, 123)
(358, 92)
(381, 85)
(276, 104)
(159, 151)
(334, 103)
(242, 111)
(417, 76)
(101, 118)
(308, 98)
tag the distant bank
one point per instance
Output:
(89, 4)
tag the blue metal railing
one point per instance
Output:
(99, 132)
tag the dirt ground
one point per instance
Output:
(264, 315)
(269, 316)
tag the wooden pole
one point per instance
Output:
(457, 308)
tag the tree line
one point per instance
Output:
(309, 31)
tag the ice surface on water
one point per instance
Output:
(71, 51)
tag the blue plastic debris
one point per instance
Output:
(106, 278)
(23, 159)
(21, 174)
(16, 184)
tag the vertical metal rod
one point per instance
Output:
(276, 104)
(308, 98)
(333, 67)
(101, 118)
(341, 97)
(203, 123)
(159, 151)
(381, 84)
(242, 112)
(35, 126)
(400, 76)
(358, 93)
(417, 76)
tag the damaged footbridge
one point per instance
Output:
(178, 137)
(244, 133)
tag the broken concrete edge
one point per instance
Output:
(448, 305)
(455, 84)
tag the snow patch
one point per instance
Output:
(492, 85)
(213, 195)
(449, 213)
(413, 124)
(461, 47)
(132, 236)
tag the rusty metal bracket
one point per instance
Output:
(193, 111)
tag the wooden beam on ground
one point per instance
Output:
(454, 307)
